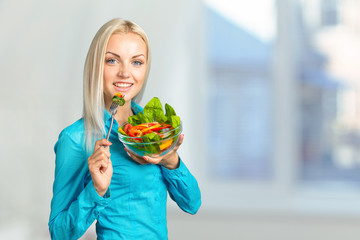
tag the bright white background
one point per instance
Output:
(43, 46)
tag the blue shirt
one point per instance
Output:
(134, 207)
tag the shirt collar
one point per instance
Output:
(136, 108)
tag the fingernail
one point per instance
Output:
(145, 158)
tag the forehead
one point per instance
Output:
(129, 42)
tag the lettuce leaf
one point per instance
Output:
(153, 109)
(138, 119)
(152, 137)
(172, 119)
(169, 111)
(153, 112)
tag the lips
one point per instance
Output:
(122, 86)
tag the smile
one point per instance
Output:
(122, 85)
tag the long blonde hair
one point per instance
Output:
(93, 96)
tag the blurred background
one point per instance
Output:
(268, 91)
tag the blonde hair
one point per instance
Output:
(93, 96)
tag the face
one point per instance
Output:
(125, 66)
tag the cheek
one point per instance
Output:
(139, 76)
(106, 74)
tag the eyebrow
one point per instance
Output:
(116, 55)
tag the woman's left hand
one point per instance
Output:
(169, 160)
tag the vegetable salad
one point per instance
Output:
(152, 126)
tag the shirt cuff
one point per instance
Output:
(92, 195)
(178, 172)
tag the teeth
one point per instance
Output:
(123, 85)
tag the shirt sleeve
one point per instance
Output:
(75, 204)
(183, 188)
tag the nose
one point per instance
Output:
(123, 71)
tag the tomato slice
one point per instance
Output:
(127, 128)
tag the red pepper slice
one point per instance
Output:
(137, 127)
(158, 128)
(133, 132)
(162, 127)
(150, 128)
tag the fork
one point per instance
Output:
(113, 109)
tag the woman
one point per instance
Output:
(96, 179)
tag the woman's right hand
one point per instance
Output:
(100, 166)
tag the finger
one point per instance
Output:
(96, 161)
(181, 139)
(140, 161)
(105, 151)
(101, 165)
(109, 162)
(104, 165)
(92, 161)
(98, 165)
(152, 160)
(102, 142)
(101, 153)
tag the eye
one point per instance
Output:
(111, 61)
(137, 63)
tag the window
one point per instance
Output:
(330, 122)
(284, 106)
(239, 62)
(329, 12)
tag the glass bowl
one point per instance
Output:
(137, 146)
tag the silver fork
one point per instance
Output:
(113, 109)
